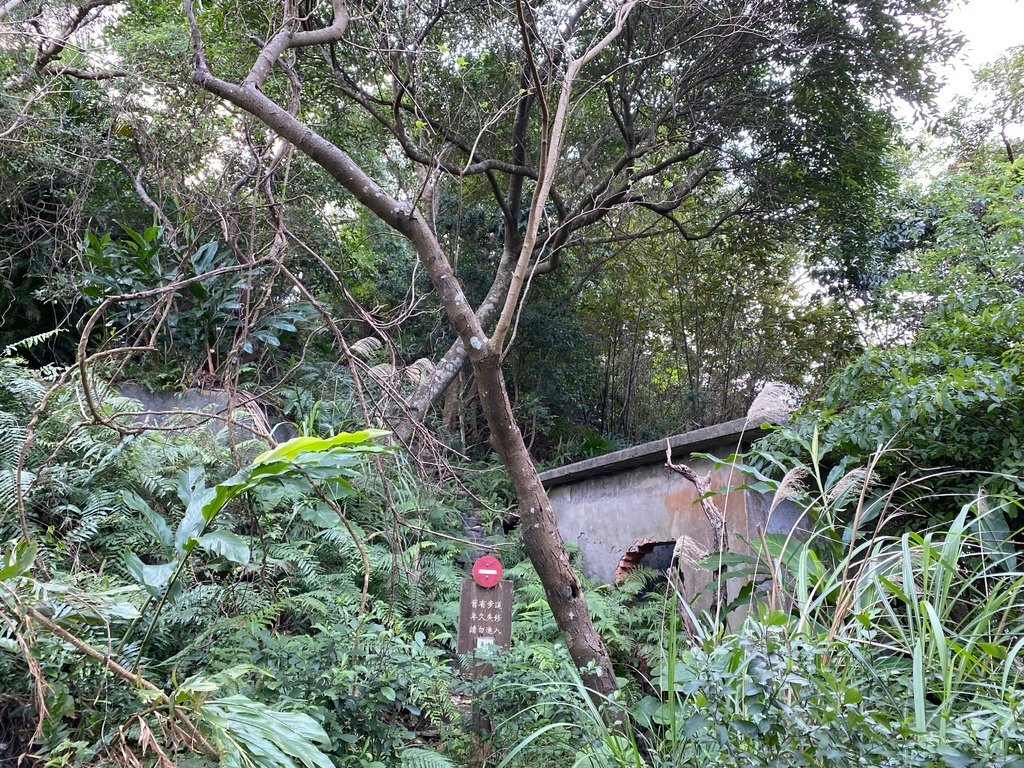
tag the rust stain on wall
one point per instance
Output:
(679, 505)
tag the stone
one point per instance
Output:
(207, 408)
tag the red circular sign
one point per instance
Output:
(487, 571)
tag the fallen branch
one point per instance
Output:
(199, 741)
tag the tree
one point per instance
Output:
(991, 117)
(689, 338)
(579, 124)
(942, 383)
(695, 101)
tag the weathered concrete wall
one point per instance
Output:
(209, 408)
(607, 505)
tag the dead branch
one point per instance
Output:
(198, 741)
(714, 515)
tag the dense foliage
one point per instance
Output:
(293, 620)
(320, 580)
(942, 386)
(274, 583)
(741, 136)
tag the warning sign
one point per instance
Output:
(487, 571)
(485, 617)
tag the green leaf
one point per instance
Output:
(195, 519)
(320, 515)
(201, 684)
(18, 560)
(694, 724)
(417, 757)
(190, 481)
(251, 734)
(157, 525)
(153, 577)
(228, 545)
(289, 450)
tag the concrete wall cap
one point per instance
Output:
(732, 435)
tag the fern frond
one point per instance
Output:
(418, 757)
(30, 341)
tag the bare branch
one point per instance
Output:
(714, 515)
(170, 231)
(289, 37)
(198, 741)
(83, 74)
(549, 164)
(50, 48)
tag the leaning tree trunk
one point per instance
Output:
(541, 538)
(542, 541)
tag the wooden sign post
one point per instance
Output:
(485, 625)
(485, 610)
(485, 617)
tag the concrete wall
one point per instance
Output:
(187, 409)
(607, 505)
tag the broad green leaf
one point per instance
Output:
(153, 577)
(199, 684)
(253, 734)
(693, 724)
(155, 522)
(18, 560)
(228, 545)
(195, 519)
(320, 515)
(289, 450)
(190, 481)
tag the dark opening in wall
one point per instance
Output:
(645, 553)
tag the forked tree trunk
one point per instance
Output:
(542, 541)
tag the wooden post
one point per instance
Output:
(485, 626)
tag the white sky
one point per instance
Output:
(990, 26)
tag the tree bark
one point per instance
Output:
(541, 538)
(702, 483)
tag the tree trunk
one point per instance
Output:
(451, 410)
(542, 540)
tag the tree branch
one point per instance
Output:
(288, 37)
(550, 155)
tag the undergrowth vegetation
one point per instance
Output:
(298, 609)
(283, 584)
(178, 597)
(865, 648)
